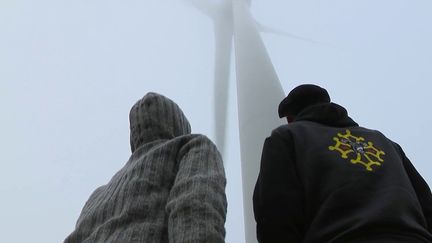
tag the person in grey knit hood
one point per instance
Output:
(172, 188)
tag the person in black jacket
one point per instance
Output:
(324, 178)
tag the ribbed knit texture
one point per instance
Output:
(172, 189)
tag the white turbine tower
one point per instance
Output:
(258, 88)
(258, 95)
(221, 14)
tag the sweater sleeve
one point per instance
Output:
(197, 203)
(421, 188)
(278, 197)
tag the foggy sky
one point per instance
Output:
(70, 71)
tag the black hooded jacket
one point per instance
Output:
(323, 178)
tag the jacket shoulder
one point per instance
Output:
(287, 129)
(197, 141)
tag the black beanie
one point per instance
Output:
(301, 97)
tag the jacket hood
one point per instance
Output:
(330, 114)
(156, 117)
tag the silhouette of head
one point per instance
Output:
(156, 117)
(301, 97)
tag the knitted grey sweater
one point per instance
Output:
(172, 189)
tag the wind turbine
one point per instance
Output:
(258, 88)
(221, 13)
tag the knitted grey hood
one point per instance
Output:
(171, 190)
(156, 117)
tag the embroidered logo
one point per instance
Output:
(360, 151)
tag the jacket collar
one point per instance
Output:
(330, 114)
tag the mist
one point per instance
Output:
(71, 71)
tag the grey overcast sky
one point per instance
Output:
(71, 70)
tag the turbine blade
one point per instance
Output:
(259, 93)
(267, 29)
(223, 39)
(221, 13)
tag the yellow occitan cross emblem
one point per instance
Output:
(364, 153)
